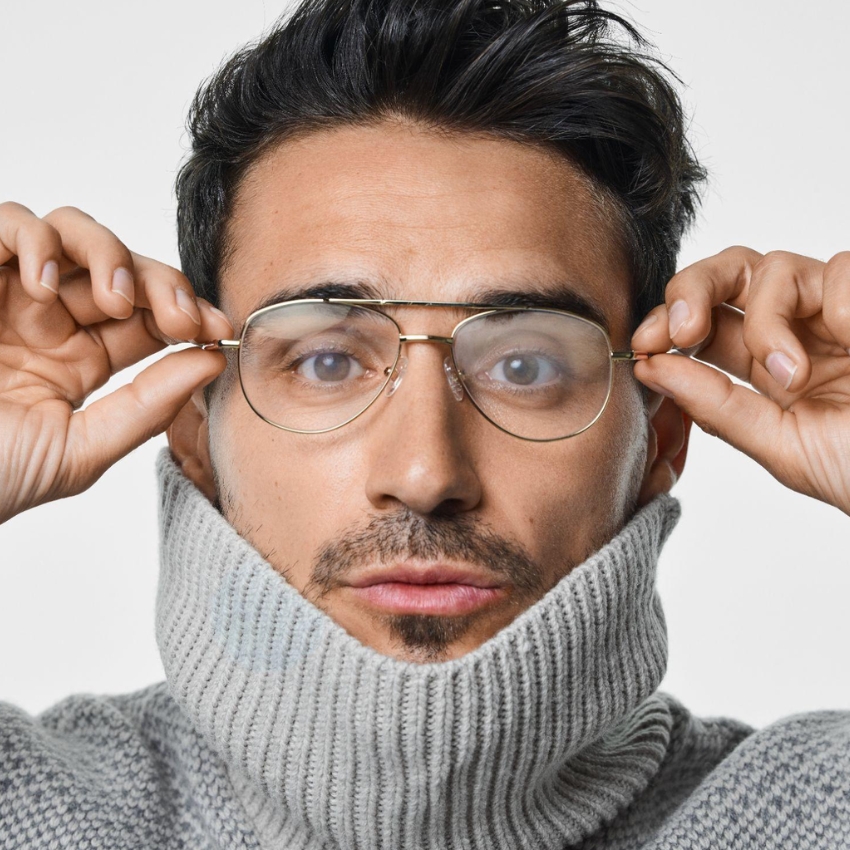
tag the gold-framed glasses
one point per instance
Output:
(313, 365)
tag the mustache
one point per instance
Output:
(406, 535)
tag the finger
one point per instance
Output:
(723, 346)
(653, 334)
(127, 341)
(37, 246)
(114, 425)
(738, 415)
(784, 287)
(693, 292)
(98, 249)
(214, 324)
(176, 308)
(77, 298)
(836, 298)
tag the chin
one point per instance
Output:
(424, 639)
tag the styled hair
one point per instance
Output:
(564, 74)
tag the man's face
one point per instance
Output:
(422, 480)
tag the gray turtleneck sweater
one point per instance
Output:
(277, 729)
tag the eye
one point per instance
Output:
(523, 370)
(329, 367)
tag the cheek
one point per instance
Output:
(620, 451)
(571, 497)
(290, 493)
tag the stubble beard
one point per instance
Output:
(405, 536)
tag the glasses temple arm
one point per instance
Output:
(219, 345)
(627, 356)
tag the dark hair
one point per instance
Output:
(551, 72)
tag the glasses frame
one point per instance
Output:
(226, 345)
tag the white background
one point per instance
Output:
(755, 578)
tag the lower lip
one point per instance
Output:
(446, 599)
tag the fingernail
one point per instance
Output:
(657, 389)
(781, 367)
(50, 276)
(650, 320)
(188, 306)
(679, 316)
(122, 284)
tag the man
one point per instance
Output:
(408, 549)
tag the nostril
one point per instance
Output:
(453, 379)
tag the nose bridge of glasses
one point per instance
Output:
(425, 338)
(452, 377)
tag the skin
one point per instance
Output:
(427, 217)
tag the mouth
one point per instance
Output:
(427, 589)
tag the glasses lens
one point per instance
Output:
(537, 374)
(313, 367)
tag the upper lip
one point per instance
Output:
(424, 574)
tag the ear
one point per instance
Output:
(188, 437)
(669, 432)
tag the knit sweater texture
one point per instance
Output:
(275, 728)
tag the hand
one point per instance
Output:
(790, 344)
(64, 332)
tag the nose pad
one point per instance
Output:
(397, 375)
(453, 379)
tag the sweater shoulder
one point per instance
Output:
(84, 753)
(84, 734)
(92, 766)
(697, 746)
(725, 784)
(786, 785)
(81, 728)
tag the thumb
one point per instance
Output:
(737, 414)
(114, 425)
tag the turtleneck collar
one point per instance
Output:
(534, 739)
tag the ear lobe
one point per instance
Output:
(188, 438)
(670, 429)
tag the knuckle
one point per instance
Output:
(735, 251)
(839, 265)
(10, 208)
(66, 212)
(770, 261)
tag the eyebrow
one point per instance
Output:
(560, 296)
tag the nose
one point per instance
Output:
(397, 374)
(420, 454)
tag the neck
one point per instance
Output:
(535, 738)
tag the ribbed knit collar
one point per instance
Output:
(534, 739)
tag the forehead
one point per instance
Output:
(421, 215)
